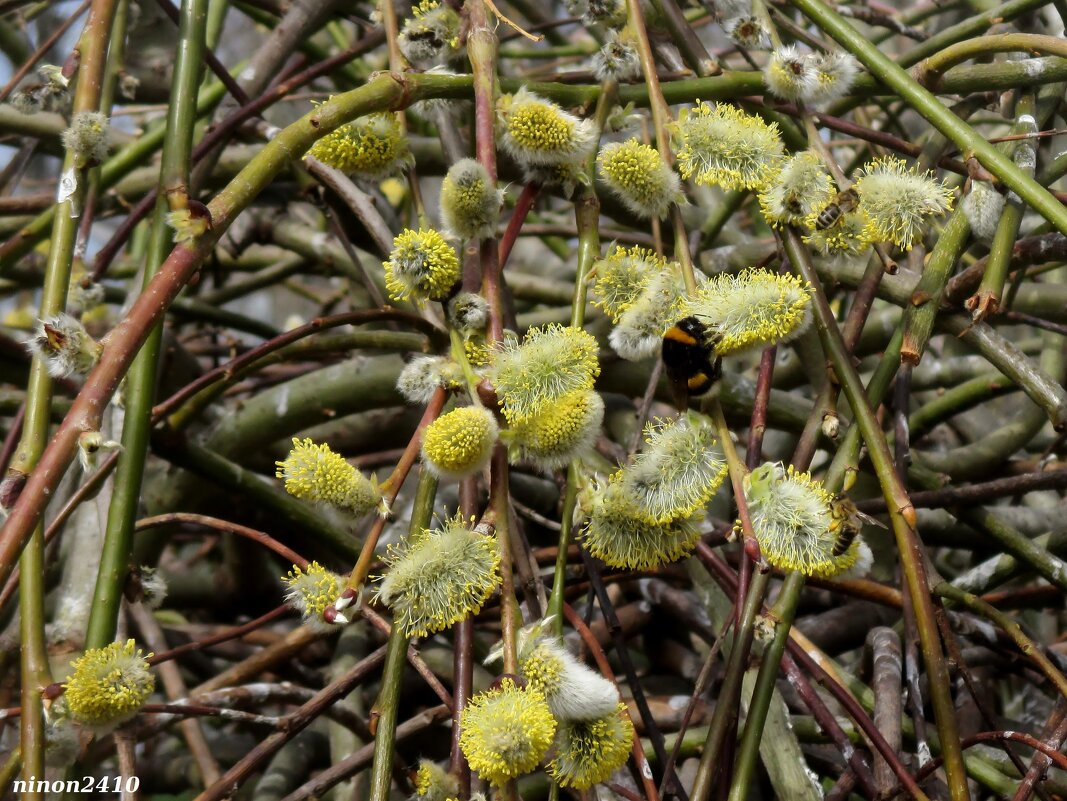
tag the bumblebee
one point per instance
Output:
(841, 205)
(689, 357)
(847, 522)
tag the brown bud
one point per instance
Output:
(11, 488)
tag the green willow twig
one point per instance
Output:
(929, 107)
(35, 670)
(661, 119)
(134, 155)
(921, 313)
(388, 704)
(784, 611)
(902, 516)
(966, 28)
(140, 383)
(587, 224)
(991, 291)
(929, 71)
(1010, 627)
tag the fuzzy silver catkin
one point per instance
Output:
(983, 207)
(573, 690)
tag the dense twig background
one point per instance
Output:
(931, 386)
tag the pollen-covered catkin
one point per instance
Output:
(506, 731)
(549, 363)
(431, 34)
(560, 432)
(896, 201)
(438, 577)
(753, 309)
(434, 783)
(470, 201)
(722, 145)
(422, 266)
(637, 174)
(802, 188)
(618, 531)
(847, 237)
(791, 75)
(537, 131)
(792, 518)
(587, 752)
(639, 332)
(424, 375)
(371, 147)
(108, 685)
(315, 473)
(621, 276)
(679, 470)
(458, 444)
(310, 591)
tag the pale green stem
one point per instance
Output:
(902, 516)
(141, 380)
(388, 704)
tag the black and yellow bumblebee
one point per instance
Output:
(689, 357)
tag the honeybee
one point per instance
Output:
(847, 522)
(844, 202)
(793, 202)
(689, 357)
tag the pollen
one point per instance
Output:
(551, 362)
(588, 752)
(108, 685)
(722, 145)
(791, 75)
(422, 266)
(315, 473)
(753, 309)
(574, 691)
(622, 275)
(431, 34)
(896, 201)
(801, 189)
(618, 532)
(371, 146)
(560, 432)
(311, 591)
(537, 131)
(678, 472)
(506, 731)
(641, 179)
(439, 577)
(847, 237)
(470, 202)
(791, 518)
(459, 444)
(639, 332)
(434, 783)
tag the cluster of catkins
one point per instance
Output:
(557, 710)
